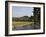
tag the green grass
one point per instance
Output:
(20, 23)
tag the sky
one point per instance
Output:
(18, 11)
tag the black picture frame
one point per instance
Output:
(6, 18)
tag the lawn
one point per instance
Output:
(20, 23)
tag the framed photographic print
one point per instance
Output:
(24, 18)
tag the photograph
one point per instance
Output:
(23, 18)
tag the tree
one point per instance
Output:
(26, 16)
(31, 18)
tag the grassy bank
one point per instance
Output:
(20, 23)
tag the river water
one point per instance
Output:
(26, 27)
(23, 27)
